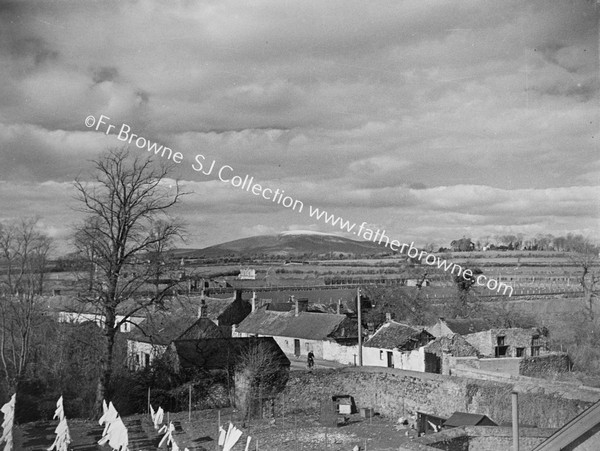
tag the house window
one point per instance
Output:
(520, 352)
(535, 345)
(146, 360)
(501, 349)
(307, 347)
(380, 355)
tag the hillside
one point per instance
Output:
(287, 244)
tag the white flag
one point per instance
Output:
(222, 434)
(115, 432)
(168, 437)
(63, 437)
(233, 435)
(158, 418)
(8, 410)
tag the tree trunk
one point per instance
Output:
(106, 363)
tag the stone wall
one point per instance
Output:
(396, 393)
(546, 365)
(480, 438)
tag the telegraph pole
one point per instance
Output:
(358, 307)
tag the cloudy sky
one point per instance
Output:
(430, 119)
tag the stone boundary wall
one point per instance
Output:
(392, 392)
(525, 383)
(545, 365)
(481, 438)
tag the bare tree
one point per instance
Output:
(260, 366)
(23, 253)
(123, 203)
(584, 254)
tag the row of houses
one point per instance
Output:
(435, 349)
(323, 321)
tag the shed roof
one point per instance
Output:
(468, 419)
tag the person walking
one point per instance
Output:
(311, 360)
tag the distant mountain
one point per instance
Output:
(287, 244)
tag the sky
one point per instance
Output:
(431, 120)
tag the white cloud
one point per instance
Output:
(491, 107)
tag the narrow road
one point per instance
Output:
(299, 363)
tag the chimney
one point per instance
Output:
(202, 308)
(339, 307)
(253, 301)
(388, 317)
(237, 293)
(296, 307)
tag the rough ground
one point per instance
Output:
(301, 433)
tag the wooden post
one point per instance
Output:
(190, 405)
(148, 399)
(218, 429)
(515, 421)
(358, 308)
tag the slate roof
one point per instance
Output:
(468, 419)
(307, 325)
(468, 326)
(221, 353)
(392, 335)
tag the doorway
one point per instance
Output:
(390, 359)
